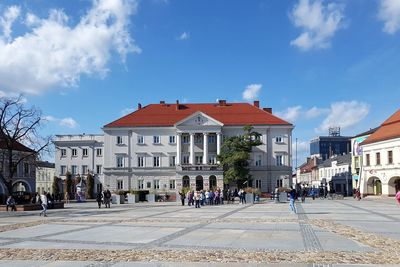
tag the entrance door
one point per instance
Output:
(378, 187)
(199, 183)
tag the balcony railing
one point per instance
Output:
(199, 168)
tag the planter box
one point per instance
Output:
(132, 198)
(282, 197)
(249, 198)
(117, 199)
(151, 198)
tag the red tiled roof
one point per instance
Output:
(389, 129)
(168, 115)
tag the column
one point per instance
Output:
(191, 156)
(178, 149)
(205, 148)
(218, 144)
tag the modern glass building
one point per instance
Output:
(326, 146)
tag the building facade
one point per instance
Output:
(79, 155)
(381, 159)
(166, 147)
(335, 173)
(356, 156)
(324, 147)
(45, 172)
(23, 180)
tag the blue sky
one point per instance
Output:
(316, 63)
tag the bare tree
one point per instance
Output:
(19, 137)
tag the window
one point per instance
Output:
(119, 140)
(172, 139)
(378, 158)
(120, 184)
(140, 184)
(26, 168)
(367, 160)
(156, 184)
(185, 159)
(140, 161)
(278, 139)
(148, 185)
(199, 159)
(140, 139)
(74, 152)
(279, 183)
(63, 169)
(84, 169)
(390, 157)
(63, 152)
(172, 184)
(172, 161)
(156, 139)
(98, 169)
(186, 139)
(156, 161)
(74, 169)
(212, 159)
(99, 152)
(120, 161)
(198, 139)
(258, 160)
(279, 160)
(258, 183)
(211, 139)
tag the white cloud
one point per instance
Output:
(319, 23)
(8, 18)
(291, 114)
(344, 114)
(251, 92)
(184, 36)
(126, 111)
(389, 13)
(315, 112)
(54, 53)
(67, 122)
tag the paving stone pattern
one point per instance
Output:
(322, 233)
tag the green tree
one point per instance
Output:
(69, 184)
(54, 186)
(235, 155)
(90, 185)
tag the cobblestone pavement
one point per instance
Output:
(323, 233)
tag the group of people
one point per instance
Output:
(212, 197)
(104, 198)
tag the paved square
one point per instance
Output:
(326, 232)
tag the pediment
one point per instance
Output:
(199, 119)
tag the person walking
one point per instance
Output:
(11, 203)
(398, 197)
(182, 194)
(107, 198)
(66, 196)
(196, 198)
(43, 199)
(292, 196)
(99, 198)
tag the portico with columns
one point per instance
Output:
(198, 139)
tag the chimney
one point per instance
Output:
(139, 106)
(256, 103)
(269, 110)
(177, 105)
(222, 102)
(162, 102)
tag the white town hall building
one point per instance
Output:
(164, 147)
